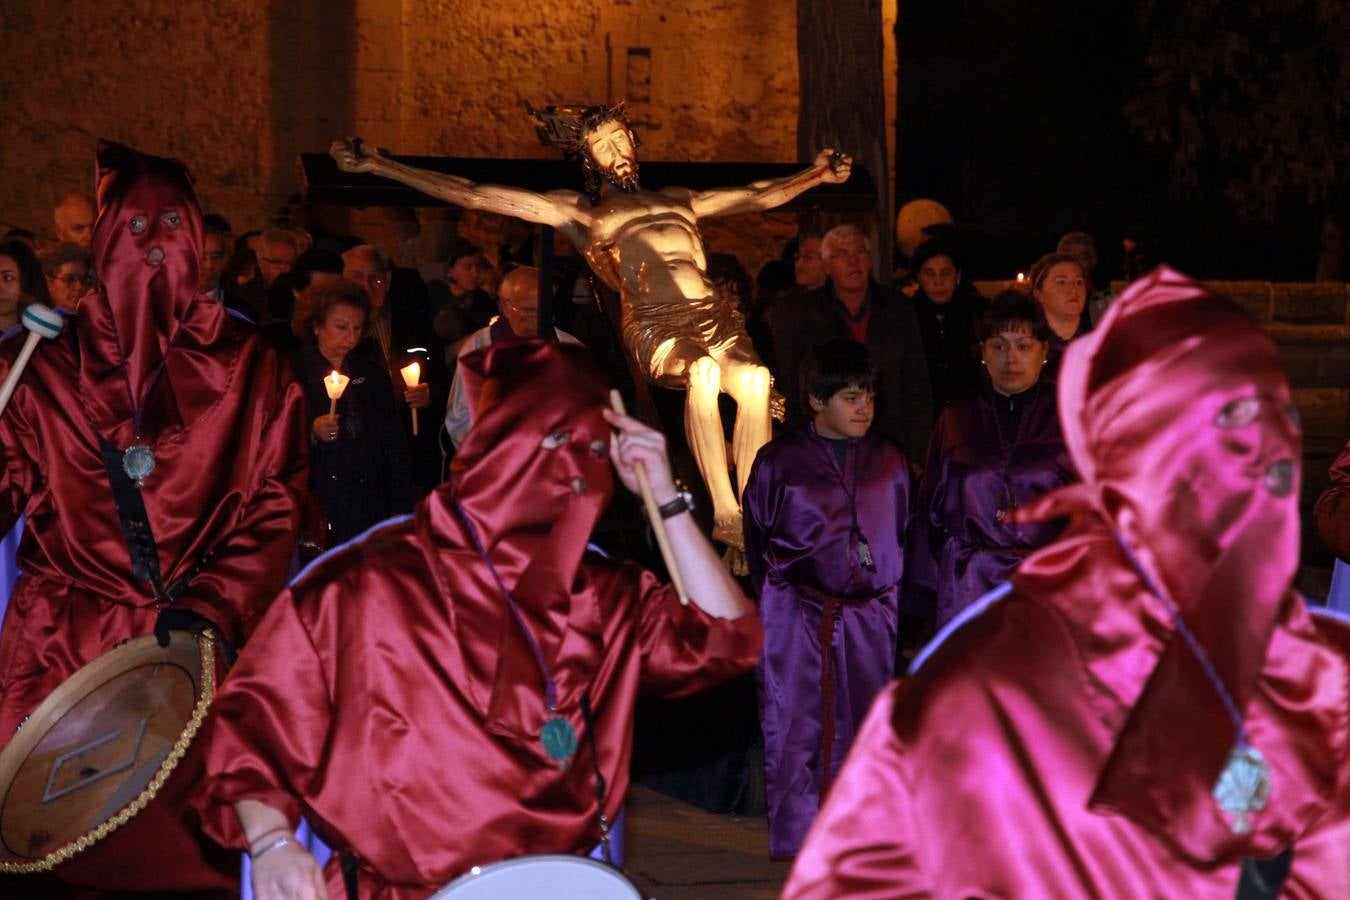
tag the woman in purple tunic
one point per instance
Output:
(826, 509)
(996, 448)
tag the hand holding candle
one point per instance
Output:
(335, 383)
(412, 373)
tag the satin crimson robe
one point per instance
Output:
(973, 778)
(227, 425)
(964, 541)
(798, 546)
(361, 704)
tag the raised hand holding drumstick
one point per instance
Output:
(41, 322)
(705, 579)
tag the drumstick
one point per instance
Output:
(653, 512)
(41, 322)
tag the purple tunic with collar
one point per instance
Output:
(964, 541)
(803, 551)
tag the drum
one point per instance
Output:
(94, 784)
(559, 877)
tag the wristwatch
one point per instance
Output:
(682, 502)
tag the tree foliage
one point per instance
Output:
(1251, 99)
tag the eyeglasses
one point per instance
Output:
(374, 279)
(73, 280)
(279, 263)
(215, 256)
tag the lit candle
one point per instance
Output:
(334, 383)
(411, 373)
(1021, 277)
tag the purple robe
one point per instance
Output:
(964, 541)
(803, 553)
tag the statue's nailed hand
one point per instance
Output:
(353, 155)
(836, 165)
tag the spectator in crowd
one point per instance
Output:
(21, 282)
(400, 334)
(74, 219)
(1147, 708)
(218, 222)
(240, 269)
(66, 267)
(1058, 284)
(826, 511)
(215, 254)
(519, 300)
(808, 264)
(948, 309)
(997, 447)
(290, 298)
(358, 458)
(249, 241)
(459, 307)
(276, 255)
(1083, 247)
(490, 274)
(1332, 514)
(851, 305)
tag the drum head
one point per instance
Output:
(558, 877)
(96, 751)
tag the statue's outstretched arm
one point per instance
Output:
(557, 208)
(828, 168)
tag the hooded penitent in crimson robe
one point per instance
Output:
(802, 550)
(981, 467)
(393, 695)
(1074, 734)
(146, 361)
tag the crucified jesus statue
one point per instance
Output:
(646, 246)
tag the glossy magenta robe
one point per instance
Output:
(802, 556)
(965, 540)
(227, 426)
(408, 631)
(974, 777)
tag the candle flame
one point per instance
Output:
(412, 374)
(1021, 277)
(335, 383)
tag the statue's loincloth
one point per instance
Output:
(652, 332)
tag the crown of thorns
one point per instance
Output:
(568, 126)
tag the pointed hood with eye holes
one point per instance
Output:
(1180, 419)
(532, 478)
(146, 250)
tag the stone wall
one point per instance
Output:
(237, 87)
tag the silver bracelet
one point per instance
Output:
(274, 845)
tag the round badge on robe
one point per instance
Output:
(138, 461)
(559, 740)
(1243, 787)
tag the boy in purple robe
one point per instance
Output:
(826, 509)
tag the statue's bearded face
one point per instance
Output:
(611, 147)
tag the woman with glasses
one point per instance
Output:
(67, 269)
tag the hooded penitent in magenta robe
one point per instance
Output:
(146, 361)
(1076, 736)
(802, 549)
(393, 698)
(965, 540)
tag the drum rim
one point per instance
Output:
(514, 861)
(206, 688)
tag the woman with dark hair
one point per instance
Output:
(1060, 286)
(359, 469)
(947, 308)
(994, 449)
(21, 281)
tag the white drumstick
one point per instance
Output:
(41, 322)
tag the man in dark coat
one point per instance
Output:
(851, 305)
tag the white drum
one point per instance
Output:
(555, 876)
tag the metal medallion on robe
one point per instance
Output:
(559, 740)
(138, 461)
(1243, 787)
